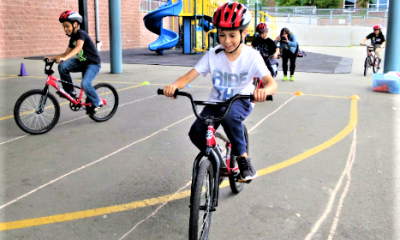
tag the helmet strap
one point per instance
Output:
(241, 41)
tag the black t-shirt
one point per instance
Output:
(376, 40)
(265, 46)
(89, 52)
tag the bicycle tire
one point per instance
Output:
(25, 115)
(205, 176)
(111, 96)
(237, 187)
(366, 65)
(375, 66)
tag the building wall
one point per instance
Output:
(31, 27)
(332, 36)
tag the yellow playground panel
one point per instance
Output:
(198, 8)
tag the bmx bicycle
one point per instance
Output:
(38, 111)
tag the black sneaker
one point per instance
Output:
(90, 110)
(247, 172)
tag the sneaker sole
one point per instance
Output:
(250, 177)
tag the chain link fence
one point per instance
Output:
(342, 16)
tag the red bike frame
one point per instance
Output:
(52, 81)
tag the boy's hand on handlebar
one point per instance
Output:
(169, 91)
(362, 44)
(60, 59)
(260, 95)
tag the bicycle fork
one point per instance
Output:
(43, 100)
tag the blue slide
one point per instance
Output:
(207, 26)
(154, 22)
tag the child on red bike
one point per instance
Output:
(232, 66)
(266, 46)
(377, 40)
(87, 61)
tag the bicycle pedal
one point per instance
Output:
(244, 181)
(203, 208)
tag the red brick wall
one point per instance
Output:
(31, 27)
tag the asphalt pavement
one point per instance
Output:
(327, 162)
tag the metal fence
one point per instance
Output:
(343, 16)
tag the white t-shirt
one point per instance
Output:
(231, 78)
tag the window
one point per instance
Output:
(150, 5)
(349, 5)
(378, 5)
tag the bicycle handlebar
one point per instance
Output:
(228, 103)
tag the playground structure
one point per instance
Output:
(195, 30)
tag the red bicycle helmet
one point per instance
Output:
(377, 27)
(231, 16)
(70, 16)
(261, 27)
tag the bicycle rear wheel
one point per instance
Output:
(110, 95)
(30, 118)
(236, 186)
(201, 202)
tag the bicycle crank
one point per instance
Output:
(75, 107)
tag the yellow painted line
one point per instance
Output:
(7, 78)
(314, 95)
(67, 102)
(171, 197)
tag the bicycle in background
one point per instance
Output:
(37, 111)
(371, 60)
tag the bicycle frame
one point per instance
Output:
(52, 81)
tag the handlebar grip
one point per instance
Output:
(161, 92)
(269, 98)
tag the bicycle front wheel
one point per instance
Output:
(201, 202)
(366, 66)
(33, 118)
(376, 65)
(110, 95)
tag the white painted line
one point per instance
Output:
(328, 209)
(152, 214)
(262, 120)
(352, 155)
(92, 163)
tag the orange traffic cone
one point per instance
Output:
(382, 88)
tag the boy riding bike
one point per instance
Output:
(377, 40)
(265, 45)
(232, 66)
(87, 61)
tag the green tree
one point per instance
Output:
(364, 3)
(243, 2)
(318, 3)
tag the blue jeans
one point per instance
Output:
(232, 125)
(89, 71)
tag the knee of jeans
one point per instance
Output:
(62, 68)
(85, 86)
